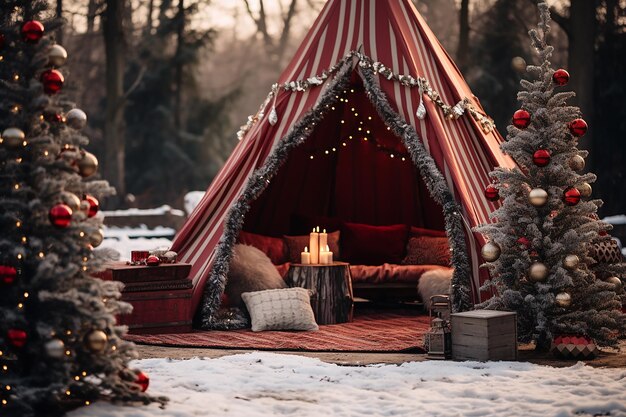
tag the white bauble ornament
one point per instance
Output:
(491, 252)
(538, 197)
(55, 348)
(57, 55)
(538, 272)
(571, 262)
(13, 138)
(76, 119)
(563, 299)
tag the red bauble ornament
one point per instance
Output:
(8, 274)
(492, 193)
(578, 127)
(541, 157)
(560, 77)
(60, 215)
(142, 380)
(571, 196)
(52, 81)
(32, 31)
(524, 241)
(91, 204)
(153, 260)
(17, 337)
(521, 119)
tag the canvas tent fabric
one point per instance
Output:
(346, 36)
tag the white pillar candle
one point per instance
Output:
(305, 257)
(329, 255)
(323, 241)
(314, 246)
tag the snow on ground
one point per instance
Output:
(266, 384)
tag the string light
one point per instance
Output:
(16, 77)
(26, 295)
(19, 256)
(20, 306)
(24, 239)
(41, 254)
(18, 223)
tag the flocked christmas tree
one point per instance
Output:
(59, 345)
(538, 249)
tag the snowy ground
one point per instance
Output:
(265, 384)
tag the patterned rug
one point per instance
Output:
(369, 332)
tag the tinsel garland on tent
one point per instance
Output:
(260, 179)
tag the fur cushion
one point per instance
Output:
(250, 270)
(435, 282)
(288, 309)
(427, 250)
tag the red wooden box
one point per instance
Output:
(160, 296)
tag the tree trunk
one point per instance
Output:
(59, 10)
(462, 52)
(148, 28)
(115, 50)
(178, 75)
(92, 8)
(581, 64)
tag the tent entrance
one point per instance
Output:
(351, 167)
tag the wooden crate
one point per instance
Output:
(161, 297)
(484, 335)
(158, 311)
(120, 271)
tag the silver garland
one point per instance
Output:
(260, 179)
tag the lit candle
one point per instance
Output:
(323, 241)
(329, 255)
(314, 246)
(305, 257)
(326, 256)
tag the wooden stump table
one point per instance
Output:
(331, 299)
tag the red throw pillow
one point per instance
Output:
(363, 244)
(295, 246)
(420, 231)
(273, 247)
(428, 250)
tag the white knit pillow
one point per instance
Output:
(283, 309)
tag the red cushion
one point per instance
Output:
(428, 250)
(362, 244)
(387, 273)
(273, 247)
(296, 244)
(420, 231)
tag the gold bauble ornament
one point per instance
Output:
(563, 299)
(585, 189)
(70, 200)
(96, 238)
(571, 262)
(616, 282)
(96, 341)
(87, 165)
(76, 119)
(55, 348)
(518, 64)
(538, 197)
(538, 272)
(57, 55)
(491, 252)
(577, 163)
(12, 138)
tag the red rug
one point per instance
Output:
(373, 332)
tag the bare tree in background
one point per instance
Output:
(115, 50)
(462, 52)
(580, 27)
(274, 47)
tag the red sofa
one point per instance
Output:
(375, 254)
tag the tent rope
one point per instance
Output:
(451, 112)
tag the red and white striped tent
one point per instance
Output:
(390, 41)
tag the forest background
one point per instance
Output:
(167, 83)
